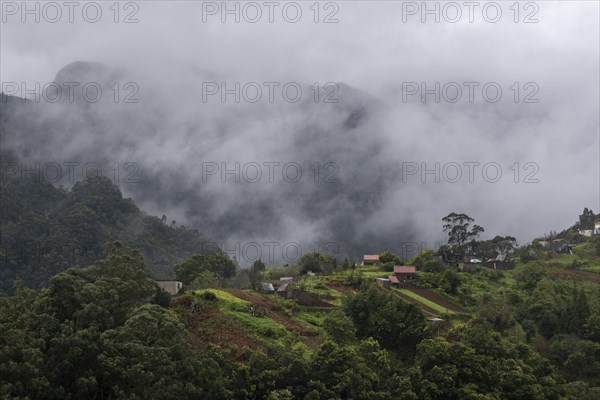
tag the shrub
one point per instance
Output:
(197, 307)
(268, 332)
(388, 267)
(209, 296)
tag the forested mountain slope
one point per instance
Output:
(47, 229)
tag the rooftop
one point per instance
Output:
(405, 269)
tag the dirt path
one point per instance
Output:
(275, 312)
(435, 297)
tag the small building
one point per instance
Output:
(394, 280)
(586, 232)
(286, 279)
(383, 282)
(560, 245)
(285, 288)
(171, 287)
(370, 259)
(267, 288)
(467, 267)
(597, 227)
(405, 272)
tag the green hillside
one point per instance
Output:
(99, 327)
(46, 230)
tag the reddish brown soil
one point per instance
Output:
(435, 297)
(212, 327)
(310, 299)
(339, 286)
(275, 311)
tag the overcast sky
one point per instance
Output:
(370, 45)
(379, 47)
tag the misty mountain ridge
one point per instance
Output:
(197, 160)
(302, 134)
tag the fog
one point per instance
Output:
(379, 162)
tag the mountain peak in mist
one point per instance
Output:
(86, 71)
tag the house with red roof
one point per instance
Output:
(405, 272)
(394, 280)
(370, 259)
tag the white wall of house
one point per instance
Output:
(171, 287)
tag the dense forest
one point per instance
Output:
(102, 332)
(47, 229)
(93, 334)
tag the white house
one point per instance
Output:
(171, 287)
(591, 232)
(267, 287)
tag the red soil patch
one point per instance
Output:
(210, 326)
(435, 297)
(310, 299)
(339, 286)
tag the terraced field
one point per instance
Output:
(276, 311)
(443, 303)
(410, 299)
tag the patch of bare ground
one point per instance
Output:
(210, 326)
(340, 287)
